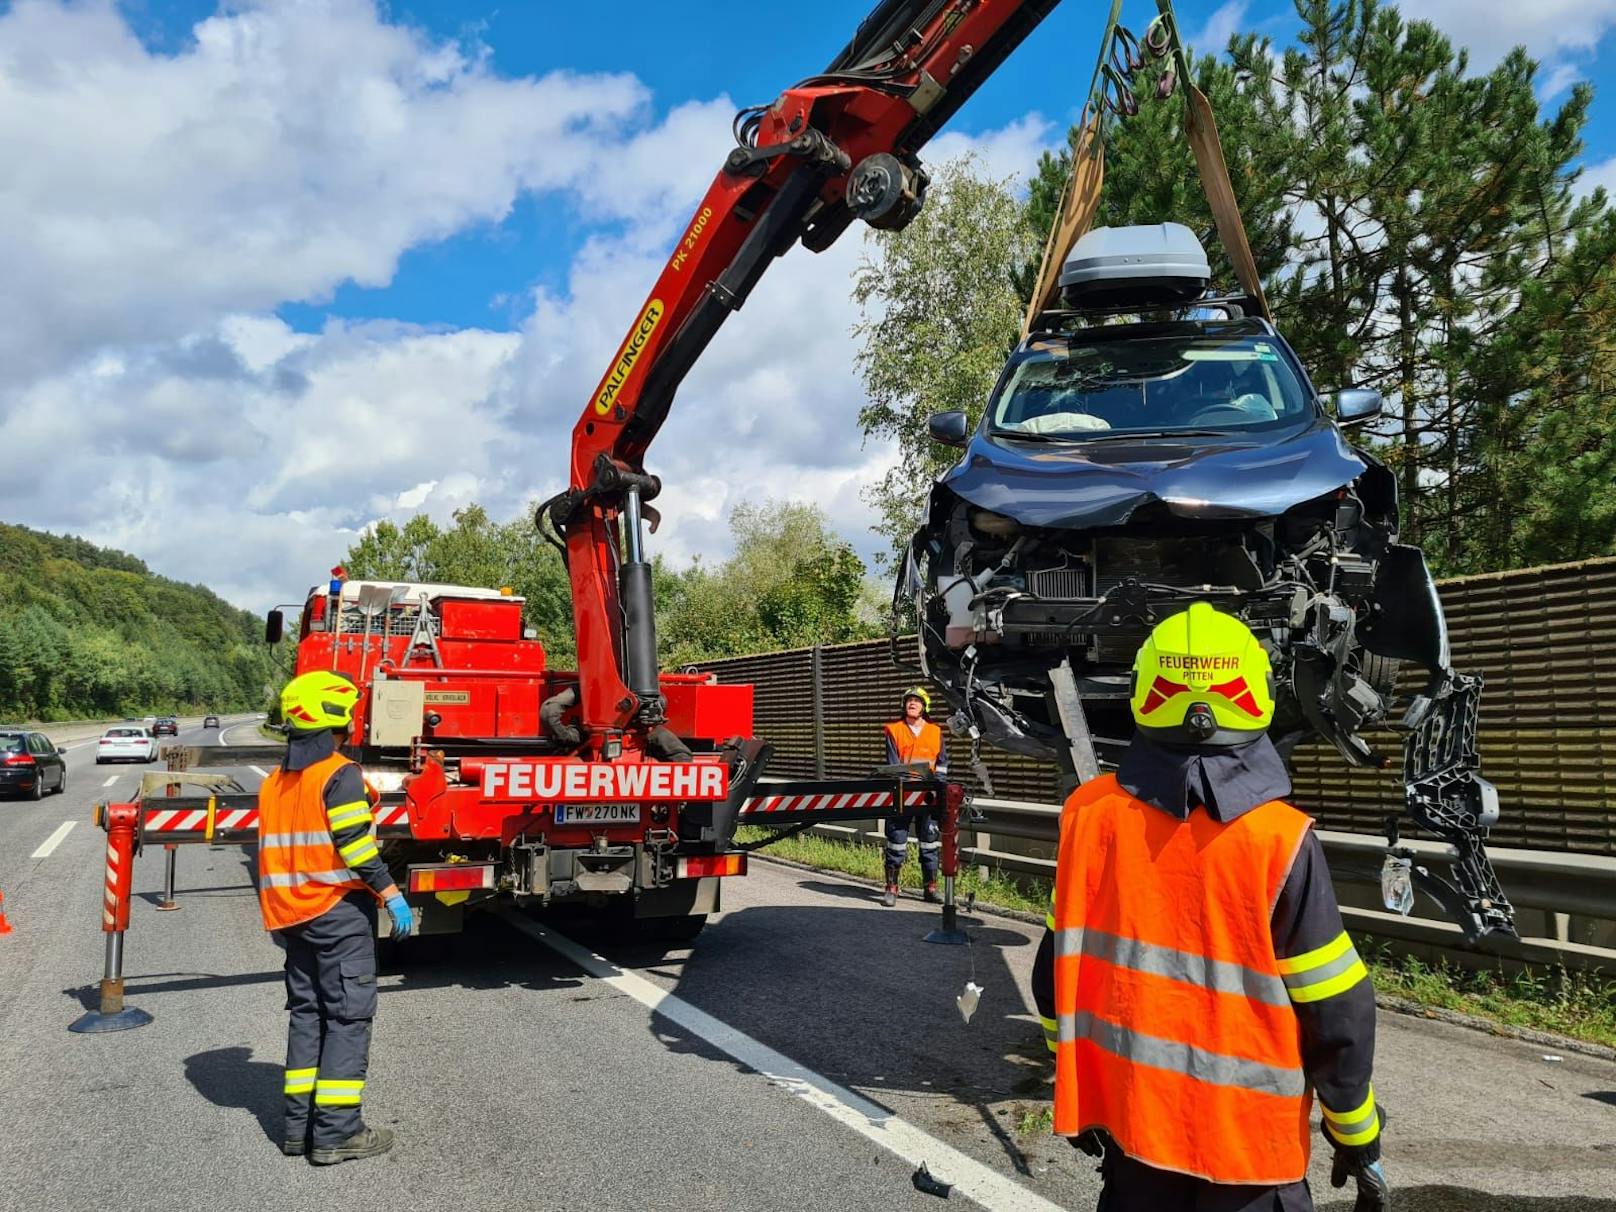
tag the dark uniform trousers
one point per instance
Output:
(331, 994)
(926, 830)
(1132, 1186)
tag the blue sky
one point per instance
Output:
(482, 276)
(279, 269)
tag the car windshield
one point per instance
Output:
(125, 732)
(11, 744)
(1084, 389)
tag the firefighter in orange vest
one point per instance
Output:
(320, 878)
(1196, 983)
(914, 738)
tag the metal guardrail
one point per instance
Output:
(1561, 895)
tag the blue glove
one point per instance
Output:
(403, 917)
(1373, 1193)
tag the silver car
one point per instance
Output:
(126, 743)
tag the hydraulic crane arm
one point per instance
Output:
(838, 146)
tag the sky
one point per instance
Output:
(274, 270)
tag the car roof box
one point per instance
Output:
(1114, 268)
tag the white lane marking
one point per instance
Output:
(259, 771)
(970, 1177)
(54, 840)
(111, 779)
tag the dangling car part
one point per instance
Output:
(1148, 446)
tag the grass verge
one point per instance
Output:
(1564, 1003)
(855, 858)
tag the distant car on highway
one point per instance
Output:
(126, 743)
(166, 726)
(210, 721)
(30, 763)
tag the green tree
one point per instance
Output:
(88, 631)
(941, 310)
(790, 583)
(1418, 231)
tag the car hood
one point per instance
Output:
(1082, 485)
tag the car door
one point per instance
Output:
(48, 760)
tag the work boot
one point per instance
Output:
(890, 897)
(295, 1148)
(367, 1142)
(932, 898)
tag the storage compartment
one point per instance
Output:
(396, 713)
(1160, 265)
(498, 620)
(708, 712)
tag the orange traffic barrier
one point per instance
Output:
(5, 926)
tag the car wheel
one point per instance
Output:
(61, 782)
(38, 793)
(100, 761)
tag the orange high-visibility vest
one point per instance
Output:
(300, 873)
(926, 747)
(1174, 1029)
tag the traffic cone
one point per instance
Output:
(5, 926)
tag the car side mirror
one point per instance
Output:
(1355, 405)
(274, 625)
(949, 428)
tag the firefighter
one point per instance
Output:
(914, 738)
(320, 878)
(1196, 983)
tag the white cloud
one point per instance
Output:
(1011, 152)
(1596, 175)
(1547, 28)
(1561, 34)
(159, 206)
(1226, 20)
(296, 145)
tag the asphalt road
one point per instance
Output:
(517, 1079)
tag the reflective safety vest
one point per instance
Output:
(1174, 1029)
(926, 747)
(300, 873)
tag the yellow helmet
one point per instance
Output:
(918, 692)
(312, 701)
(1202, 679)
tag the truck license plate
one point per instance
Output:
(597, 814)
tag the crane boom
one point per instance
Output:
(837, 146)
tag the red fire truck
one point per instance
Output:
(465, 733)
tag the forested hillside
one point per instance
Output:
(86, 632)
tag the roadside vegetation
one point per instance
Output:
(1565, 1003)
(90, 633)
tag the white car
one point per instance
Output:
(127, 743)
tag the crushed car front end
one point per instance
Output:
(1124, 469)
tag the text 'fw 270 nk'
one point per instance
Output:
(1150, 445)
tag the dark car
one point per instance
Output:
(210, 721)
(1148, 446)
(166, 726)
(30, 764)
